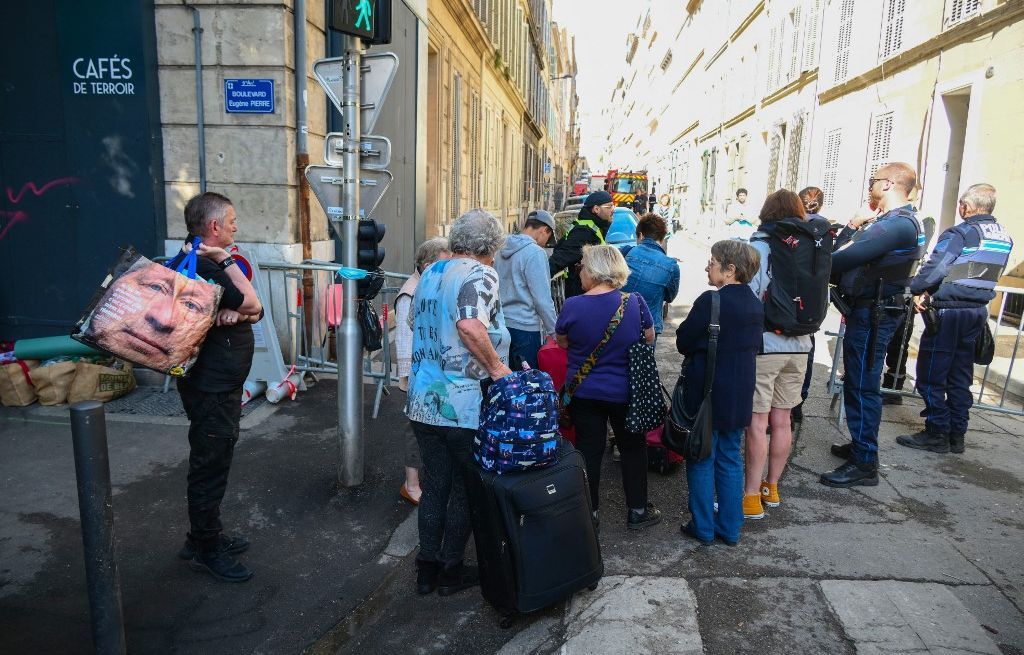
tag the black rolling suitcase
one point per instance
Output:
(535, 540)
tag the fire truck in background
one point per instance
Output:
(596, 182)
(625, 186)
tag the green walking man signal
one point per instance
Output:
(368, 19)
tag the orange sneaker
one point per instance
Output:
(770, 494)
(752, 507)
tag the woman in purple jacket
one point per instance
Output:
(741, 317)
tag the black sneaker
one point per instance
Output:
(956, 443)
(843, 450)
(925, 440)
(220, 565)
(457, 578)
(427, 574)
(851, 474)
(232, 545)
(650, 516)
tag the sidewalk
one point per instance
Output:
(317, 552)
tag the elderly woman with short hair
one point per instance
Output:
(459, 339)
(603, 394)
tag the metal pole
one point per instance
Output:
(92, 470)
(350, 348)
(197, 36)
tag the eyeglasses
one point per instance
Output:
(712, 263)
(872, 180)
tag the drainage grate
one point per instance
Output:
(152, 401)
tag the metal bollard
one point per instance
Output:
(92, 470)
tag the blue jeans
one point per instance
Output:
(862, 384)
(523, 347)
(945, 369)
(721, 472)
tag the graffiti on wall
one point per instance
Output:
(14, 212)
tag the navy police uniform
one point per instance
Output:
(960, 278)
(878, 263)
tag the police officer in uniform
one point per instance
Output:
(955, 287)
(874, 270)
(589, 229)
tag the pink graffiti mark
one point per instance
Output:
(19, 216)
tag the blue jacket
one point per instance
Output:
(742, 320)
(966, 264)
(654, 275)
(894, 241)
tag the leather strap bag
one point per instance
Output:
(690, 436)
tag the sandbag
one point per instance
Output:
(16, 388)
(102, 383)
(52, 382)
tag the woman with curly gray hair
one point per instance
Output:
(459, 339)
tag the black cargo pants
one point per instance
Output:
(212, 435)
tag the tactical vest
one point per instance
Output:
(895, 268)
(586, 222)
(978, 267)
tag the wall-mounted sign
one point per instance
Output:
(249, 96)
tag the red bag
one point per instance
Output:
(660, 458)
(554, 361)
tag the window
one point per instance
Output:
(631, 44)
(795, 139)
(774, 56)
(879, 142)
(957, 11)
(810, 54)
(842, 65)
(775, 145)
(474, 151)
(794, 41)
(666, 60)
(833, 141)
(892, 28)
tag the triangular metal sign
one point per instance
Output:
(327, 183)
(374, 151)
(377, 74)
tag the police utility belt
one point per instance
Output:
(847, 304)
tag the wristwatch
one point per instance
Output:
(226, 262)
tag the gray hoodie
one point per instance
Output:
(525, 285)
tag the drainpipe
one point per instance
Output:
(197, 37)
(302, 158)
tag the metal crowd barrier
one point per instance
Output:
(995, 386)
(306, 333)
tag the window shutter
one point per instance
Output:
(795, 140)
(842, 66)
(833, 142)
(773, 70)
(957, 11)
(892, 33)
(810, 54)
(456, 146)
(713, 168)
(774, 154)
(879, 142)
(794, 57)
(474, 150)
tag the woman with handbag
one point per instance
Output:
(598, 328)
(735, 335)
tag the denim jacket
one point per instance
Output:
(654, 275)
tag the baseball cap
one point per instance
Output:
(542, 216)
(597, 198)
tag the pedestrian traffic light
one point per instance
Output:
(368, 19)
(371, 254)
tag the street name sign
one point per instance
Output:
(249, 96)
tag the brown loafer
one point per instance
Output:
(404, 492)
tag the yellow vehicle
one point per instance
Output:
(625, 186)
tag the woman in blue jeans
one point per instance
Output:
(741, 317)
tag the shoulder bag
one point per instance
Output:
(690, 436)
(565, 397)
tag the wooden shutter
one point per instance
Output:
(795, 139)
(794, 43)
(892, 30)
(879, 142)
(772, 81)
(455, 206)
(958, 11)
(845, 36)
(813, 25)
(774, 155)
(833, 142)
(474, 150)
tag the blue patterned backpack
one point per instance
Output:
(518, 424)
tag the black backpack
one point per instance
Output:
(800, 265)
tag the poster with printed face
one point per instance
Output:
(152, 316)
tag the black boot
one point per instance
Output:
(232, 545)
(457, 578)
(956, 443)
(851, 474)
(924, 440)
(843, 450)
(221, 565)
(426, 576)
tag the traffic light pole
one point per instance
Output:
(350, 351)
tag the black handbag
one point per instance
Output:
(690, 436)
(984, 346)
(369, 325)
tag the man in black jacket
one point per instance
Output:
(589, 229)
(211, 392)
